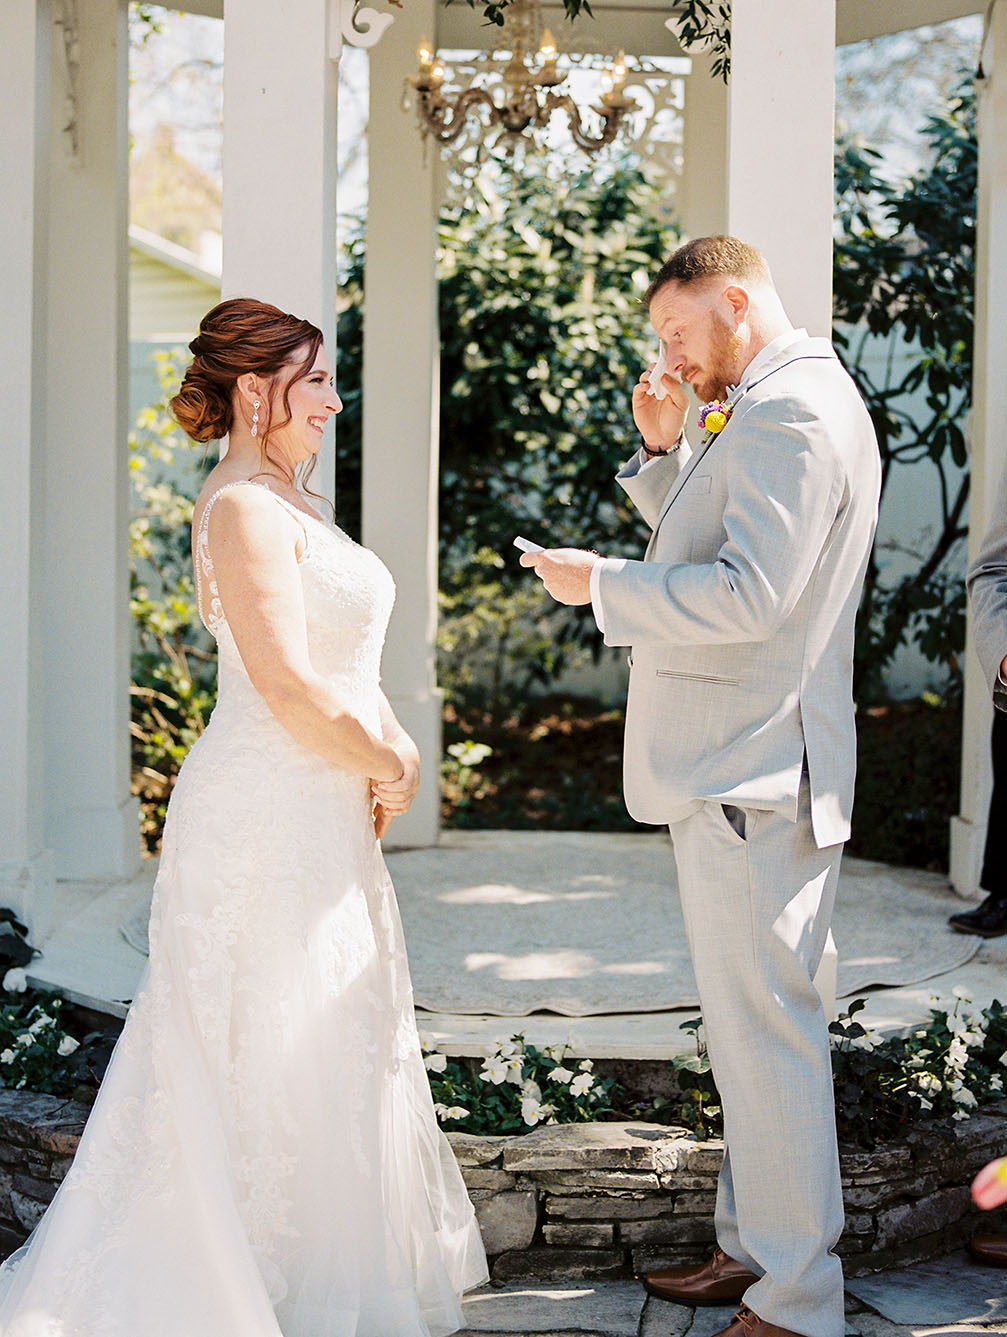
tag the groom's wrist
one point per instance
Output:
(652, 452)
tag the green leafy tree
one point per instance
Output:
(905, 272)
(706, 23)
(543, 335)
(698, 22)
(174, 663)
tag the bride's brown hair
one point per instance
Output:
(238, 336)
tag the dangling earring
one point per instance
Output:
(255, 418)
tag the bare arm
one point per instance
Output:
(253, 544)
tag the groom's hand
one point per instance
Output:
(565, 572)
(660, 421)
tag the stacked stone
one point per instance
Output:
(590, 1200)
(598, 1200)
(906, 1203)
(609, 1200)
(38, 1138)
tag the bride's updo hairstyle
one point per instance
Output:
(238, 336)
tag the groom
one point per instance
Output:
(740, 736)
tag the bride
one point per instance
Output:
(263, 1157)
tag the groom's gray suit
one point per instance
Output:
(986, 580)
(740, 735)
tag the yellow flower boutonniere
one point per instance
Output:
(714, 417)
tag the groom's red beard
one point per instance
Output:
(722, 364)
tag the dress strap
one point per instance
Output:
(213, 615)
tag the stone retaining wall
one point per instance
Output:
(38, 1138)
(610, 1200)
(599, 1200)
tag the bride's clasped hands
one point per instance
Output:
(394, 797)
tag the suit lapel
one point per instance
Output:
(676, 488)
(807, 348)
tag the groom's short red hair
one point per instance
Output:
(711, 257)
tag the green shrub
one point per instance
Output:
(902, 1086)
(173, 687)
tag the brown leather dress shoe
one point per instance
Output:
(721, 1281)
(747, 1324)
(989, 1249)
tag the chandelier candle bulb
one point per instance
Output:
(615, 95)
(548, 74)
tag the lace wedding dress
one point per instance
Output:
(263, 1157)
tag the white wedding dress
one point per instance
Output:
(263, 1157)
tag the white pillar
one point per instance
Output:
(92, 821)
(280, 165)
(701, 198)
(780, 146)
(25, 861)
(400, 418)
(989, 443)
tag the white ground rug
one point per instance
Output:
(508, 923)
(517, 922)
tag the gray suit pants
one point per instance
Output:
(757, 908)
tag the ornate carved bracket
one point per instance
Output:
(355, 23)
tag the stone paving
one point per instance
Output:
(94, 964)
(951, 1297)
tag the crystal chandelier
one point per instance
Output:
(532, 90)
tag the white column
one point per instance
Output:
(780, 137)
(780, 193)
(989, 443)
(25, 861)
(400, 419)
(279, 162)
(92, 821)
(701, 198)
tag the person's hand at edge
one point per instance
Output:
(989, 1188)
(565, 572)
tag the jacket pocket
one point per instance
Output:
(698, 677)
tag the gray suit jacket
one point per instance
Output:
(986, 581)
(741, 615)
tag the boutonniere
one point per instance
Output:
(714, 417)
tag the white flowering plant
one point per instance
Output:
(34, 1045)
(930, 1079)
(898, 1086)
(37, 1050)
(516, 1087)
